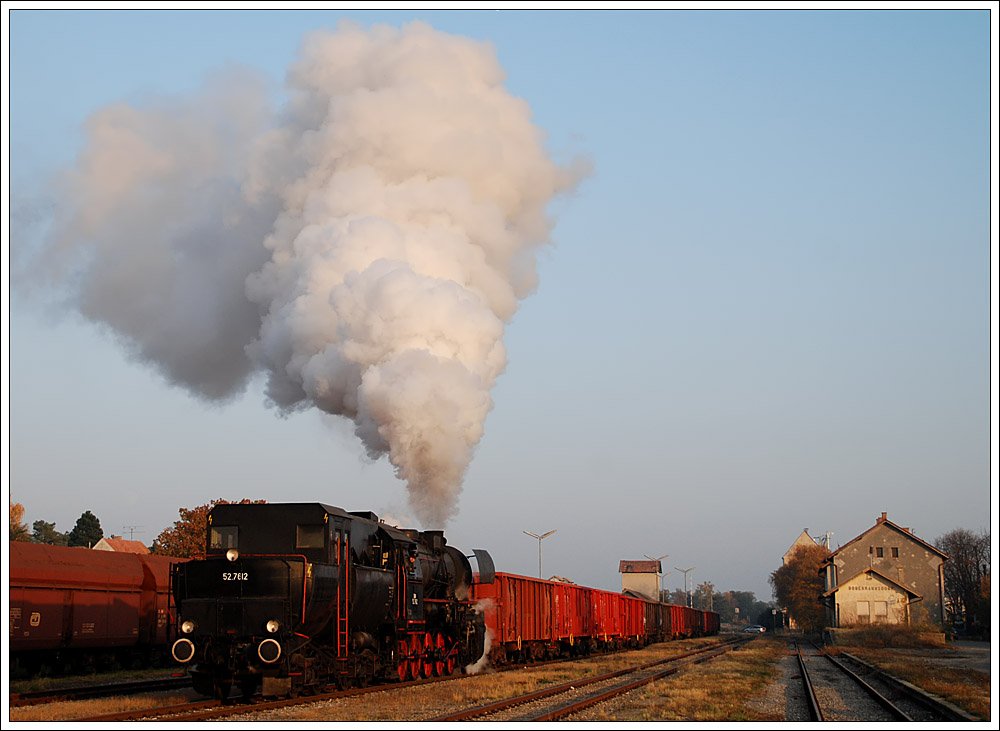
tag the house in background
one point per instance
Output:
(641, 577)
(804, 540)
(120, 545)
(886, 575)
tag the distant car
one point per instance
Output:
(754, 628)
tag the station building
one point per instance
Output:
(886, 575)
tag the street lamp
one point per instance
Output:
(540, 539)
(685, 572)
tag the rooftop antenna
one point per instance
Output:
(131, 530)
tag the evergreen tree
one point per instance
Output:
(43, 532)
(86, 532)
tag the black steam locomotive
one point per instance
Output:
(291, 597)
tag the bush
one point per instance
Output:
(894, 635)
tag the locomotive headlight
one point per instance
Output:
(272, 626)
(232, 554)
(183, 650)
(187, 626)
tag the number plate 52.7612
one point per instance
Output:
(234, 576)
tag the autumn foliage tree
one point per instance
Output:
(18, 530)
(798, 586)
(187, 536)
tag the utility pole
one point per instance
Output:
(686, 590)
(540, 539)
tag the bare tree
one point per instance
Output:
(966, 575)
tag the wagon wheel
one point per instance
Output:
(402, 661)
(416, 648)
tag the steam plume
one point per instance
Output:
(364, 247)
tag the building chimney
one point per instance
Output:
(882, 519)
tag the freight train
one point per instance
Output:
(75, 609)
(293, 597)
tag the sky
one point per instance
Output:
(765, 306)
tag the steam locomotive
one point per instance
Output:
(290, 597)
(293, 597)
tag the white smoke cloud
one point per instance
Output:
(364, 247)
(483, 663)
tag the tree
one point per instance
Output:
(18, 530)
(966, 574)
(86, 532)
(677, 596)
(798, 586)
(703, 595)
(726, 603)
(43, 532)
(187, 536)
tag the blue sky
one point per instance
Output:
(767, 308)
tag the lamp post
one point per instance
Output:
(540, 539)
(686, 590)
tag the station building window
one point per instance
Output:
(863, 613)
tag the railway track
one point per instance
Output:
(214, 709)
(39, 697)
(847, 689)
(566, 699)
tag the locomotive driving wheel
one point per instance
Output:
(402, 660)
(416, 648)
(444, 663)
(427, 663)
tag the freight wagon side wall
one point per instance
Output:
(73, 597)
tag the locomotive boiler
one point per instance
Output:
(290, 597)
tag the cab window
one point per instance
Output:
(223, 537)
(309, 536)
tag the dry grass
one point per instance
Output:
(718, 690)
(24, 685)
(70, 710)
(966, 688)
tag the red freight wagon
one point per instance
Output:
(574, 618)
(519, 615)
(70, 604)
(633, 629)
